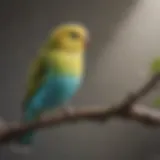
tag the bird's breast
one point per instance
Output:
(63, 84)
(58, 89)
(72, 64)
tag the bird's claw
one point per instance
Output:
(69, 111)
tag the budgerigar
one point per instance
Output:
(55, 75)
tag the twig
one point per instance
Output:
(127, 109)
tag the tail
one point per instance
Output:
(23, 144)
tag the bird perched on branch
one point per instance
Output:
(55, 75)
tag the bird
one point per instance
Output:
(54, 77)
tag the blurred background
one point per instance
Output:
(125, 37)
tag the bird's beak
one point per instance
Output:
(87, 43)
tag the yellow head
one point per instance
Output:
(70, 37)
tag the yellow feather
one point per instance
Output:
(35, 77)
(71, 64)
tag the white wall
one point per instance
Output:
(123, 64)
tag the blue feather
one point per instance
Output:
(55, 91)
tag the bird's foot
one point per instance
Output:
(69, 111)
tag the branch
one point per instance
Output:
(126, 109)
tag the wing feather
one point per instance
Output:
(35, 78)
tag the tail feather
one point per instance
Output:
(23, 144)
(17, 146)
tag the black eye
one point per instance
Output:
(74, 35)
